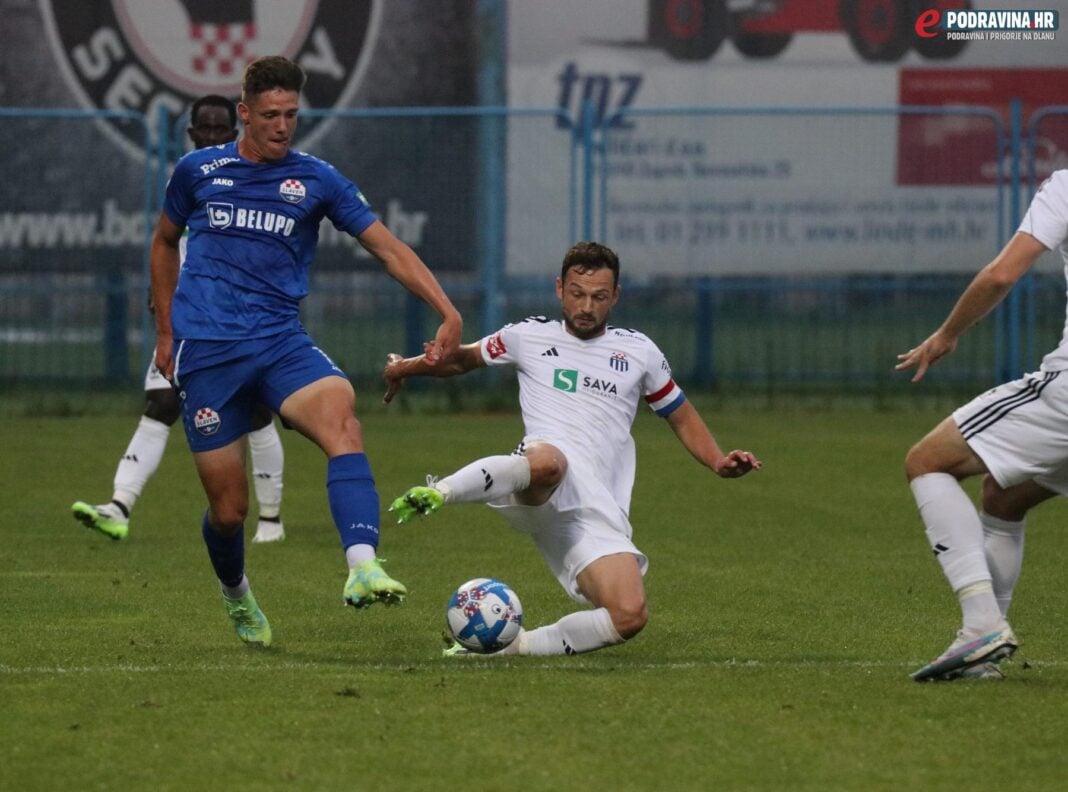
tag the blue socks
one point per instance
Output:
(227, 554)
(350, 488)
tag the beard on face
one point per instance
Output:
(584, 332)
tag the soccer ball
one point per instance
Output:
(484, 615)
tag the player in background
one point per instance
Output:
(1017, 433)
(569, 483)
(229, 335)
(213, 121)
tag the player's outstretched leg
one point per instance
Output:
(107, 518)
(968, 651)
(250, 624)
(483, 480)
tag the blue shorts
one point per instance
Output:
(220, 382)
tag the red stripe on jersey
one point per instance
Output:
(660, 394)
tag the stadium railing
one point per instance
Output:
(512, 187)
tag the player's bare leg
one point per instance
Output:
(934, 467)
(324, 412)
(613, 584)
(222, 472)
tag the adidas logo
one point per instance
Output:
(489, 480)
(550, 352)
(939, 549)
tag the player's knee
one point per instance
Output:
(229, 514)
(629, 618)
(919, 461)
(162, 405)
(548, 466)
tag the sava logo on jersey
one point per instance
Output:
(571, 381)
(223, 215)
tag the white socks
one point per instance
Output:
(956, 536)
(578, 632)
(140, 461)
(358, 553)
(1003, 542)
(236, 592)
(267, 461)
(486, 479)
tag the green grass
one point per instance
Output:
(787, 610)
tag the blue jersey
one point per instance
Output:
(253, 230)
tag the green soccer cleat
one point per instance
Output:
(417, 500)
(368, 584)
(106, 518)
(249, 622)
(453, 648)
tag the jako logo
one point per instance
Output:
(125, 55)
(566, 380)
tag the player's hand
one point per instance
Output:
(926, 354)
(445, 342)
(736, 463)
(164, 359)
(391, 374)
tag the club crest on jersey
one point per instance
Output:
(495, 347)
(292, 190)
(207, 421)
(220, 215)
(618, 361)
(141, 56)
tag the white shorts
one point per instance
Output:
(154, 380)
(1020, 430)
(580, 523)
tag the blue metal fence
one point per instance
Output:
(72, 307)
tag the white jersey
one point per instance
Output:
(1047, 221)
(582, 395)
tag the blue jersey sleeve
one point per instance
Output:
(178, 201)
(347, 209)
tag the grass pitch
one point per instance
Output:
(787, 610)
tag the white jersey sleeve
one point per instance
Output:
(1047, 221)
(658, 386)
(504, 347)
(1047, 217)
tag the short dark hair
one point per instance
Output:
(270, 72)
(213, 100)
(590, 257)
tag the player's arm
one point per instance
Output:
(983, 294)
(402, 263)
(398, 368)
(163, 266)
(692, 432)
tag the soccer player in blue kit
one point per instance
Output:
(229, 335)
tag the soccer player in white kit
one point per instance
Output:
(568, 485)
(212, 122)
(1016, 433)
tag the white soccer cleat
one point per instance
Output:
(269, 531)
(968, 651)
